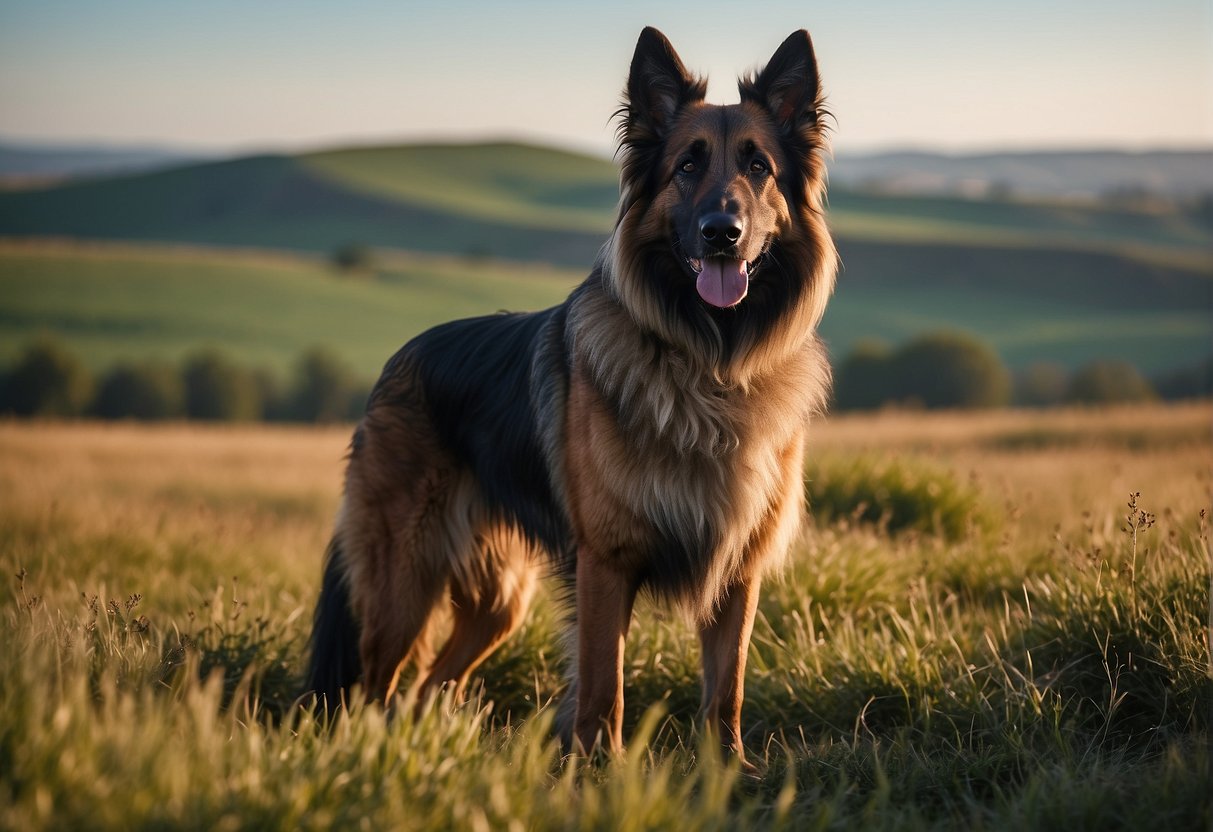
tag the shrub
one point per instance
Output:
(1191, 382)
(862, 381)
(275, 397)
(146, 391)
(1105, 382)
(356, 403)
(353, 257)
(324, 386)
(47, 380)
(895, 495)
(218, 390)
(949, 370)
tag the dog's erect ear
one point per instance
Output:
(788, 86)
(658, 87)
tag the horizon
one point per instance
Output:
(951, 78)
(204, 153)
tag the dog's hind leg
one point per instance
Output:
(398, 602)
(489, 599)
(400, 544)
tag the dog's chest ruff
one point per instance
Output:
(682, 471)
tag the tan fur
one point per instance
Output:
(417, 533)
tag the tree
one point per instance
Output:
(862, 381)
(218, 390)
(276, 404)
(47, 380)
(949, 369)
(1192, 382)
(324, 386)
(1105, 382)
(353, 257)
(140, 391)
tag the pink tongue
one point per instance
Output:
(722, 282)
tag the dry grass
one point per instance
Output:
(1042, 669)
(1050, 466)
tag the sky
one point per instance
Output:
(224, 76)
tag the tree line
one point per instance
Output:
(957, 370)
(938, 370)
(49, 380)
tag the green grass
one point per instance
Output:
(1022, 677)
(1080, 226)
(291, 203)
(1060, 282)
(111, 302)
(134, 303)
(1031, 304)
(896, 495)
(522, 202)
(510, 183)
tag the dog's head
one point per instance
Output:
(720, 227)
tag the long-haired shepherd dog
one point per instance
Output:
(646, 434)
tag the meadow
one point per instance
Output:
(109, 302)
(112, 301)
(514, 226)
(977, 631)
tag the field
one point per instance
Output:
(264, 308)
(972, 635)
(1062, 281)
(109, 301)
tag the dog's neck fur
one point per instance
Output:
(669, 400)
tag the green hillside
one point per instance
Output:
(509, 200)
(1065, 282)
(121, 301)
(284, 202)
(1166, 235)
(1062, 305)
(508, 183)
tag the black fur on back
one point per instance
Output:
(482, 398)
(335, 665)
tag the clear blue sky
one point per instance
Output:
(246, 75)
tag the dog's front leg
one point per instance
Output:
(726, 641)
(604, 611)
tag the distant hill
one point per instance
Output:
(503, 200)
(508, 201)
(1172, 174)
(112, 301)
(22, 163)
(1059, 280)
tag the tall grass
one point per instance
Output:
(1033, 673)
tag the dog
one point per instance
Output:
(648, 434)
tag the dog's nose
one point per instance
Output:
(720, 230)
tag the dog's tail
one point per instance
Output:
(335, 665)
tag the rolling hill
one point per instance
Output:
(379, 197)
(505, 200)
(1062, 281)
(111, 301)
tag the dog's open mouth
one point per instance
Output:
(721, 281)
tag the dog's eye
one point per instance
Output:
(687, 166)
(758, 166)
